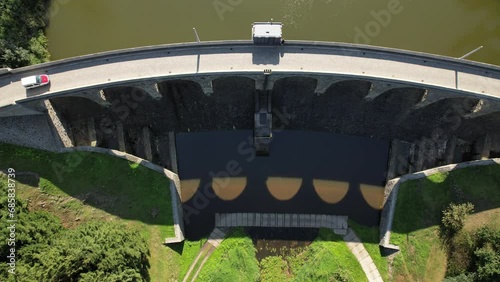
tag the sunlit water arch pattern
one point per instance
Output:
(306, 172)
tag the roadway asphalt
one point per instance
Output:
(239, 57)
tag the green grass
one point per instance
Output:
(79, 187)
(329, 259)
(234, 260)
(418, 216)
(189, 253)
(326, 259)
(273, 269)
(369, 236)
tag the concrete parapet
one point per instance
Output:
(5, 71)
(391, 192)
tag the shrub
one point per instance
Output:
(273, 269)
(460, 250)
(461, 278)
(454, 216)
(91, 252)
(487, 254)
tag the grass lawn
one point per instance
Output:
(80, 187)
(329, 259)
(189, 252)
(234, 260)
(418, 215)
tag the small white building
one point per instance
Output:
(267, 33)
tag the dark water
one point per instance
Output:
(298, 164)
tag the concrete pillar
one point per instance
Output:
(398, 159)
(96, 96)
(449, 154)
(239, 219)
(205, 83)
(234, 220)
(120, 135)
(271, 81)
(325, 82)
(146, 139)
(483, 147)
(482, 108)
(244, 219)
(59, 125)
(173, 151)
(151, 89)
(258, 220)
(432, 96)
(295, 221)
(380, 87)
(418, 157)
(91, 132)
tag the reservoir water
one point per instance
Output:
(448, 27)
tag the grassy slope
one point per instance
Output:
(418, 215)
(325, 256)
(189, 253)
(234, 260)
(100, 187)
(323, 260)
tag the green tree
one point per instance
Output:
(22, 38)
(96, 251)
(454, 216)
(487, 254)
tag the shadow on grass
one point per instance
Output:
(113, 185)
(420, 202)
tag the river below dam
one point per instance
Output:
(305, 173)
(448, 27)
